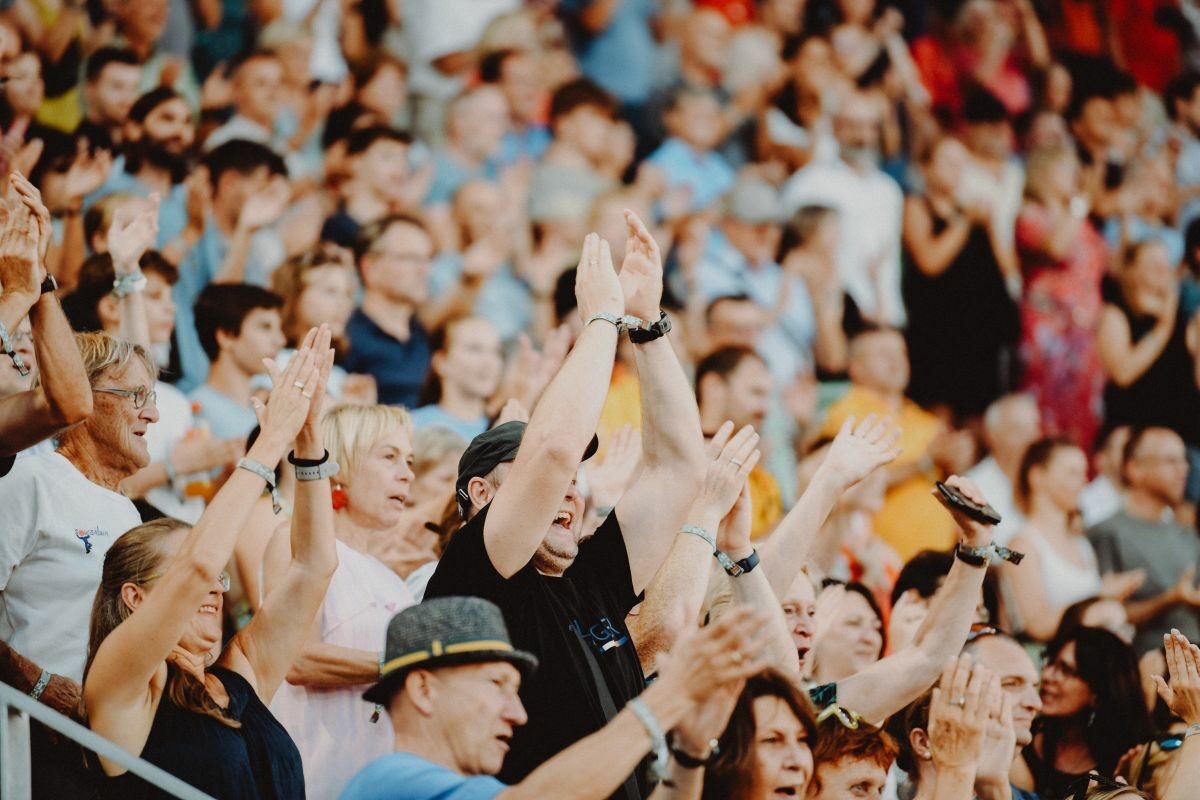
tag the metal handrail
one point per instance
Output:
(15, 769)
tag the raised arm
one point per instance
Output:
(265, 650)
(753, 590)
(562, 424)
(117, 686)
(675, 596)
(856, 452)
(1182, 695)
(672, 443)
(64, 396)
(890, 684)
(133, 232)
(1125, 362)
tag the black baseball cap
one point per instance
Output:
(493, 447)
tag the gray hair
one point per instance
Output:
(102, 352)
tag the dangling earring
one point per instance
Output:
(340, 500)
(1092, 717)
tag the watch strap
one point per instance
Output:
(6, 345)
(701, 533)
(652, 331)
(326, 469)
(250, 465)
(688, 761)
(50, 284)
(736, 569)
(608, 317)
(974, 556)
(127, 283)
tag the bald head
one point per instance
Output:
(1010, 425)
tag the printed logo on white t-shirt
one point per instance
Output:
(85, 537)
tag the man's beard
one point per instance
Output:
(148, 151)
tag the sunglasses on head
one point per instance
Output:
(1079, 788)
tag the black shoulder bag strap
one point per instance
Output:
(630, 788)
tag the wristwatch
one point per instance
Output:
(308, 469)
(49, 285)
(974, 556)
(737, 568)
(649, 331)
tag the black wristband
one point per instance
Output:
(307, 462)
(688, 761)
(973, 559)
(49, 285)
(654, 331)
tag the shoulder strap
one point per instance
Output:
(629, 790)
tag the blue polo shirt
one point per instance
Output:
(708, 175)
(398, 367)
(403, 776)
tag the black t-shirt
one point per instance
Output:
(547, 616)
(6, 464)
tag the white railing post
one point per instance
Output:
(15, 773)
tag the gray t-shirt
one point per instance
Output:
(1164, 550)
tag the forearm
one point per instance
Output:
(1142, 611)
(60, 367)
(1127, 367)
(945, 627)
(954, 785)
(145, 479)
(671, 435)
(939, 251)
(134, 325)
(14, 307)
(313, 541)
(683, 784)
(753, 590)
(993, 788)
(60, 693)
(328, 665)
(675, 594)
(71, 253)
(830, 347)
(233, 270)
(594, 767)
(1187, 776)
(788, 548)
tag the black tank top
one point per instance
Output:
(257, 760)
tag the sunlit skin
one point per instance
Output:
(853, 642)
(378, 484)
(799, 609)
(783, 759)
(1018, 677)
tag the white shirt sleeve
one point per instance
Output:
(19, 525)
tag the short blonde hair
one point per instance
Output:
(102, 352)
(351, 430)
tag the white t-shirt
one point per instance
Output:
(998, 490)
(174, 422)
(56, 527)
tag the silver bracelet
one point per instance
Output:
(1192, 729)
(42, 682)
(613, 319)
(11, 351)
(129, 282)
(701, 533)
(658, 737)
(267, 475)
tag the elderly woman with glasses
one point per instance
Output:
(64, 509)
(158, 682)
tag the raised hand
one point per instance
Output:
(858, 450)
(87, 172)
(199, 199)
(319, 340)
(292, 391)
(1185, 589)
(1000, 740)
(133, 231)
(597, 289)
(1182, 694)
(733, 534)
(977, 534)
(641, 271)
(957, 722)
(266, 207)
(731, 459)
(22, 191)
(729, 650)
(609, 479)
(20, 264)
(1120, 585)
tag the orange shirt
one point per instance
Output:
(911, 519)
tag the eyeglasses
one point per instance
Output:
(141, 395)
(224, 579)
(1066, 670)
(849, 719)
(1083, 784)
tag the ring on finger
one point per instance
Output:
(735, 462)
(958, 701)
(305, 394)
(298, 384)
(736, 656)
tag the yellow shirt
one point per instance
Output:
(911, 519)
(766, 502)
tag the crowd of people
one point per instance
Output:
(720, 399)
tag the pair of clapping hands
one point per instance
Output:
(970, 731)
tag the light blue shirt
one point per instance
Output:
(403, 776)
(225, 418)
(1141, 230)
(172, 210)
(708, 175)
(622, 57)
(429, 416)
(449, 175)
(529, 144)
(503, 300)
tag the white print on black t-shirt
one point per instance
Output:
(602, 635)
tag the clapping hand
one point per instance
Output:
(609, 479)
(21, 271)
(87, 172)
(958, 715)
(597, 289)
(731, 459)
(293, 391)
(133, 231)
(858, 450)
(265, 207)
(1182, 694)
(24, 192)
(728, 651)
(641, 271)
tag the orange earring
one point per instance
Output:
(340, 500)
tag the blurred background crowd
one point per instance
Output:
(980, 218)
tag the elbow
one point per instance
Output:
(76, 410)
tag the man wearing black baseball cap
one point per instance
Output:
(564, 599)
(450, 679)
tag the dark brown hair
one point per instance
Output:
(732, 774)
(1039, 454)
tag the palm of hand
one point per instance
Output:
(641, 283)
(857, 453)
